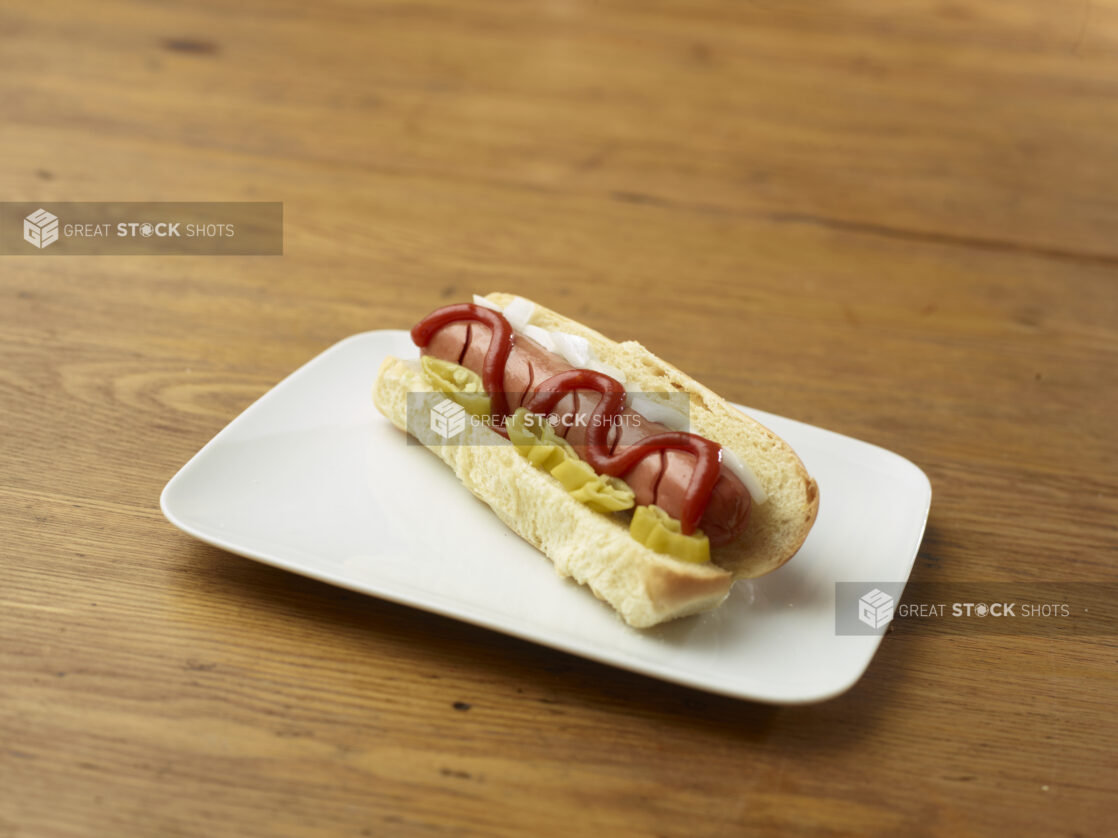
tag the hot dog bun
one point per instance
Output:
(596, 550)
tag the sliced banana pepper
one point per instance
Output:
(535, 439)
(462, 385)
(658, 531)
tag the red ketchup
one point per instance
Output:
(493, 370)
(708, 455)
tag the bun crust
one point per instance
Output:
(595, 549)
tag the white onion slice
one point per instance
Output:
(745, 474)
(575, 350)
(519, 312)
(657, 411)
(603, 367)
(484, 303)
(540, 336)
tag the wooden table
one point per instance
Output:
(897, 221)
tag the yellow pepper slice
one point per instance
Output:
(573, 474)
(605, 494)
(658, 531)
(535, 439)
(601, 493)
(462, 385)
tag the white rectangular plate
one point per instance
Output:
(311, 478)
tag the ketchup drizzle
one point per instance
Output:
(708, 455)
(493, 368)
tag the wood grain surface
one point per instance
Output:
(896, 220)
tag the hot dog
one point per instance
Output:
(661, 478)
(671, 489)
